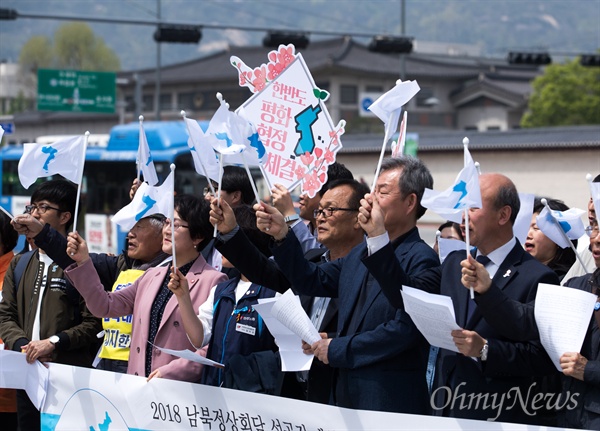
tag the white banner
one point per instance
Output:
(87, 399)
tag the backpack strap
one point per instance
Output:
(20, 268)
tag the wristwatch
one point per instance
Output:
(54, 340)
(483, 354)
(291, 218)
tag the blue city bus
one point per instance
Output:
(108, 174)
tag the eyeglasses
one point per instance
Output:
(41, 208)
(328, 212)
(592, 231)
(176, 225)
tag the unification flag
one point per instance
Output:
(144, 159)
(523, 221)
(63, 157)
(464, 193)
(552, 222)
(226, 131)
(389, 105)
(202, 151)
(1, 133)
(148, 200)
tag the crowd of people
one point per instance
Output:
(347, 254)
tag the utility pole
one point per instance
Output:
(157, 90)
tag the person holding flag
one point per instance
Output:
(378, 356)
(156, 314)
(581, 370)
(500, 364)
(41, 314)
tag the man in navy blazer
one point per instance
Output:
(488, 363)
(378, 354)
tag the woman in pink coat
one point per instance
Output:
(156, 315)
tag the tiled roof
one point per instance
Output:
(522, 139)
(341, 53)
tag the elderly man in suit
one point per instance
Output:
(338, 231)
(488, 363)
(378, 354)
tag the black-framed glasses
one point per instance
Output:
(592, 231)
(41, 208)
(328, 212)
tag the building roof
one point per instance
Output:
(341, 53)
(570, 137)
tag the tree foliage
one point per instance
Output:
(566, 94)
(74, 47)
(36, 54)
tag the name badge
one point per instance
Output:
(246, 329)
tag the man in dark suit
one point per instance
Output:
(488, 363)
(378, 354)
(338, 235)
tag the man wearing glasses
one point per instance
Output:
(378, 354)
(337, 230)
(43, 316)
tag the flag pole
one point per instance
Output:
(467, 240)
(10, 216)
(250, 178)
(478, 167)
(212, 189)
(138, 158)
(385, 139)
(438, 235)
(82, 164)
(219, 189)
(564, 235)
(172, 209)
(402, 139)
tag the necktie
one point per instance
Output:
(472, 305)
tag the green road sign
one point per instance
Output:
(76, 91)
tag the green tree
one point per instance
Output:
(566, 94)
(36, 54)
(74, 47)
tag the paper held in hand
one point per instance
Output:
(433, 315)
(289, 324)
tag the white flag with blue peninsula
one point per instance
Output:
(43, 160)
(148, 200)
(144, 159)
(552, 222)
(206, 162)
(464, 193)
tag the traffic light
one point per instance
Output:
(275, 38)
(590, 60)
(8, 14)
(391, 44)
(532, 58)
(178, 33)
